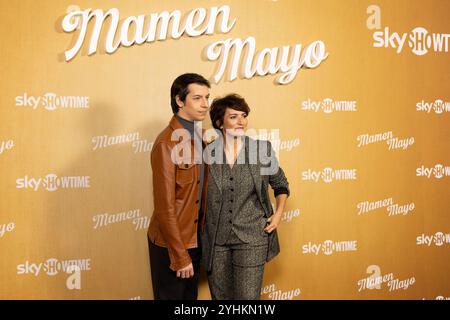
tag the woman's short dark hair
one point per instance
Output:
(180, 87)
(220, 105)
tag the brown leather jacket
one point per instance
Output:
(175, 193)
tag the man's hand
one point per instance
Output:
(186, 272)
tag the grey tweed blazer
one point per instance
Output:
(264, 170)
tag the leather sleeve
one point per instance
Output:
(164, 186)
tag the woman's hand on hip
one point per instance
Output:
(273, 222)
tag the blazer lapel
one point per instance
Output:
(216, 173)
(215, 168)
(254, 170)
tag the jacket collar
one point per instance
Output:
(176, 124)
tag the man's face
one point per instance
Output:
(195, 106)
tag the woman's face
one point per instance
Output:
(234, 122)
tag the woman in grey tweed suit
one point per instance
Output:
(240, 235)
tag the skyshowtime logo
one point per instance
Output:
(52, 101)
(438, 171)
(52, 182)
(439, 239)
(328, 105)
(329, 247)
(329, 175)
(419, 40)
(438, 106)
(52, 266)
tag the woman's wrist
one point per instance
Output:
(278, 213)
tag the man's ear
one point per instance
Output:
(179, 102)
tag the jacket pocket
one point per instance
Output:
(185, 173)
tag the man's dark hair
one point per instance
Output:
(220, 105)
(180, 87)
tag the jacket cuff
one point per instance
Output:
(281, 190)
(177, 264)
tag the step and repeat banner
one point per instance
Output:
(353, 94)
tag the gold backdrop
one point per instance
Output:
(364, 143)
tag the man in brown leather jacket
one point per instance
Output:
(179, 193)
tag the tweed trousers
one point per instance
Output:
(237, 270)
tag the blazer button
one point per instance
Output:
(195, 221)
(196, 201)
